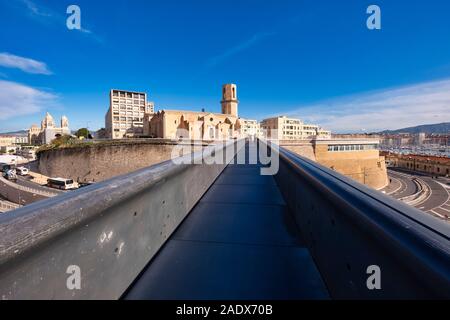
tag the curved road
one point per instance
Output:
(10, 190)
(24, 181)
(407, 186)
(438, 202)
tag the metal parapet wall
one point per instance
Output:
(349, 227)
(110, 230)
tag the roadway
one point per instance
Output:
(438, 201)
(239, 242)
(15, 195)
(35, 193)
(406, 185)
(25, 181)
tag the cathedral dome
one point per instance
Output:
(48, 121)
(64, 122)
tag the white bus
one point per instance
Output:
(61, 183)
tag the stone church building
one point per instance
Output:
(48, 130)
(174, 124)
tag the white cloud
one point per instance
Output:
(18, 99)
(24, 64)
(35, 9)
(395, 108)
(238, 48)
(47, 15)
(86, 31)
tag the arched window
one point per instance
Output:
(234, 93)
(211, 132)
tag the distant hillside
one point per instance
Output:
(15, 133)
(427, 128)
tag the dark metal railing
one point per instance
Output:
(349, 228)
(108, 231)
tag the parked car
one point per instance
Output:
(84, 184)
(22, 171)
(4, 167)
(11, 175)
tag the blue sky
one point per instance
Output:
(313, 59)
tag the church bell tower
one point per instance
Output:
(229, 100)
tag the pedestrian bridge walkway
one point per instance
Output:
(239, 242)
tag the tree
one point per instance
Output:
(63, 140)
(83, 132)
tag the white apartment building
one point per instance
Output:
(284, 128)
(21, 139)
(250, 128)
(7, 141)
(126, 113)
